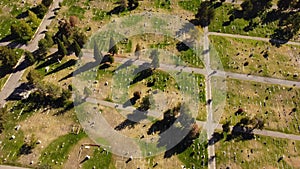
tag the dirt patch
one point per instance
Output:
(77, 154)
(45, 127)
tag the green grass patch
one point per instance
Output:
(236, 27)
(277, 105)
(59, 149)
(195, 156)
(190, 5)
(249, 57)
(261, 152)
(69, 2)
(164, 4)
(76, 11)
(3, 81)
(99, 15)
(99, 159)
(191, 58)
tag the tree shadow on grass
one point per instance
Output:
(53, 58)
(132, 120)
(69, 63)
(143, 74)
(84, 68)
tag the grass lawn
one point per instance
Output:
(190, 5)
(258, 153)
(237, 26)
(99, 159)
(195, 156)
(57, 152)
(278, 105)
(10, 147)
(2, 81)
(257, 57)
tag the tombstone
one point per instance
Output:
(17, 127)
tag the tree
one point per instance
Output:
(62, 49)
(132, 4)
(49, 39)
(33, 20)
(145, 104)
(40, 10)
(113, 49)
(22, 31)
(123, 5)
(194, 133)
(138, 50)
(34, 77)
(137, 95)
(77, 49)
(80, 38)
(254, 8)
(111, 59)
(47, 3)
(65, 41)
(29, 57)
(155, 58)
(65, 95)
(205, 13)
(43, 46)
(226, 127)
(8, 57)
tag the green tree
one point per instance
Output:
(49, 39)
(205, 13)
(113, 49)
(132, 4)
(62, 49)
(22, 31)
(47, 3)
(43, 46)
(254, 8)
(40, 10)
(34, 77)
(29, 57)
(8, 57)
(65, 41)
(33, 20)
(65, 95)
(77, 49)
(80, 38)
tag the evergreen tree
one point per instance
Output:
(47, 3)
(62, 49)
(205, 13)
(77, 49)
(22, 31)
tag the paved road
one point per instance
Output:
(249, 37)
(210, 128)
(11, 167)
(13, 80)
(269, 133)
(167, 67)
